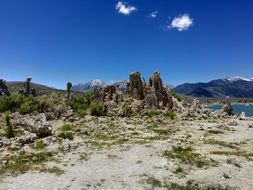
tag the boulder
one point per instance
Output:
(35, 124)
(242, 116)
(26, 139)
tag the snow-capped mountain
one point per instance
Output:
(84, 87)
(90, 85)
(238, 78)
(122, 85)
(238, 87)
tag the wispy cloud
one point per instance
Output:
(181, 23)
(153, 14)
(124, 8)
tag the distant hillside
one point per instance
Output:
(237, 87)
(14, 86)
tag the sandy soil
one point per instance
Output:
(138, 162)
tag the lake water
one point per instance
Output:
(237, 108)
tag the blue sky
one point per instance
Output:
(55, 41)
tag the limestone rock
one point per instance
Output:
(35, 124)
(26, 139)
(135, 86)
(242, 116)
(227, 108)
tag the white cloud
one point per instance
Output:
(154, 14)
(124, 8)
(181, 23)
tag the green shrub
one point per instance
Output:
(23, 104)
(67, 135)
(175, 95)
(152, 113)
(67, 127)
(39, 144)
(169, 114)
(9, 130)
(126, 110)
(96, 108)
(80, 103)
(81, 112)
(67, 131)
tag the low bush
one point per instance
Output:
(67, 135)
(169, 114)
(96, 108)
(23, 104)
(67, 127)
(39, 144)
(176, 96)
(9, 133)
(152, 113)
(80, 103)
(67, 131)
(126, 110)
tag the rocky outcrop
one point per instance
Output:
(35, 124)
(154, 94)
(227, 108)
(134, 87)
(110, 92)
(163, 94)
(151, 100)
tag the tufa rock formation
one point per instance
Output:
(69, 86)
(27, 91)
(155, 95)
(163, 95)
(3, 88)
(27, 86)
(227, 108)
(134, 87)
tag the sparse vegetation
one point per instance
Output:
(212, 132)
(9, 133)
(226, 176)
(96, 108)
(83, 156)
(248, 155)
(56, 170)
(176, 96)
(23, 162)
(169, 114)
(80, 103)
(152, 113)
(67, 131)
(179, 170)
(67, 135)
(230, 161)
(154, 182)
(221, 143)
(24, 104)
(186, 155)
(68, 127)
(39, 144)
(126, 110)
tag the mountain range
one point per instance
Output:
(90, 85)
(237, 87)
